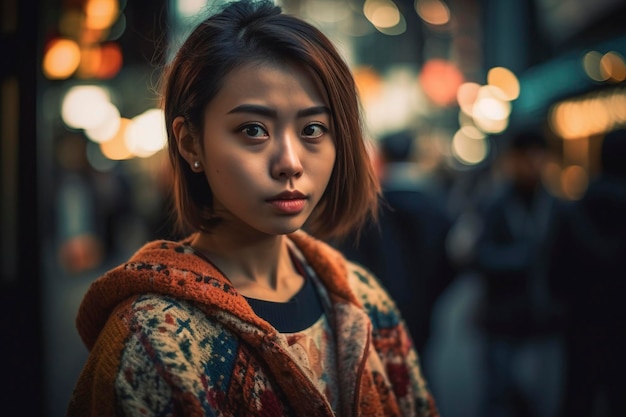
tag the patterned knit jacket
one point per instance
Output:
(169, 336)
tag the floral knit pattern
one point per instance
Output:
(314, 350)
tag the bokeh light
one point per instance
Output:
(491, 111)
(574, 181)
(147, 134)
(115, 148)
(100, 61)
(85, 107)
(469, 146)
(591, 65)
(505, 81)
(441, 80)
(383, 14)
(328, 11)
(108, 127)
(369, 83)
(61, 59)
(100, 14)
(433, 12)
(593, 114)
(466, 96)
(188, 8)
(613, 67)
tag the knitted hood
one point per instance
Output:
(175, 269)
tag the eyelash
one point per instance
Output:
(245, 130)
(323, 129)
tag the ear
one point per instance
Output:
(188, 145)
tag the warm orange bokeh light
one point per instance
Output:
(466, 95)
(613, 67)
(368, 82)
(590, 115)
(61, 59)
(505, 80)
(381, 13)
(433, 12)
(101, 61)
(116, 148)
(574, 181)
(81, 253)
(101, 14)
(111, 60)
(440, 80)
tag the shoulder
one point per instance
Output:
(361, 277)
(373, 295)
(170, 324)
(162, 249)
(171, 336)
(348, 280)
(172, 351)
(158, 267)
(175, 337)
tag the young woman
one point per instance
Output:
(253, 314)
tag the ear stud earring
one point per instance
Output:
(196, 164)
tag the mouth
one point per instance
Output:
(288, 202)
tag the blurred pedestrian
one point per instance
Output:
(518, 316)
(406, 249)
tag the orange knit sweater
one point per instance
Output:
(169, 336)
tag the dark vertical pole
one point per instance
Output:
(20, 283)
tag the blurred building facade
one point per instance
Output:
(78, 198)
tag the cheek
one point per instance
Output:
(228, 172)
(328, 162)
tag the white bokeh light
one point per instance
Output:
(146, 134)
(84, 107)
(110, 124)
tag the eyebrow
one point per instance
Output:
(269, 112)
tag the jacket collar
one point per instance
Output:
(175, 269)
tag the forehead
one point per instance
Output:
(270, 83)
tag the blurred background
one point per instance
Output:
(83, 178)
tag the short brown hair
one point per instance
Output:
(257, 31)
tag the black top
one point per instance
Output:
(298, 313)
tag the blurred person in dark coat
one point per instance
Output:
(518, 316)
(407, 249)
(589, 269)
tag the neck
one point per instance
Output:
(257, 268)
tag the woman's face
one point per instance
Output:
(268, 149)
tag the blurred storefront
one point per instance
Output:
(84, 177)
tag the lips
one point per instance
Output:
(288, 202)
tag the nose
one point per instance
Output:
(287, 163)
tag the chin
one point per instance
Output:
(288, 231)
(285, 229)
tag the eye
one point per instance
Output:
(254, 131)
(314, 130)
